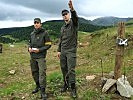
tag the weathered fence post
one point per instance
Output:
(119, 51)
(0, 48)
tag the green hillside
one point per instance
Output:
(101, 46)
(109, 21)
(130, 22)
(53, 27)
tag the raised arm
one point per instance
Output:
(73, 13)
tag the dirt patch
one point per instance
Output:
(2, 85)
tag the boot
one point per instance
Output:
(73, 90)
(65, 87)
(73, 93)
(43, 94)
(36, 89)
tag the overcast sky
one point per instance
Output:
(17, 13)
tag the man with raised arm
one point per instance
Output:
(68, 48)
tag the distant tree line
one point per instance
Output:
(53, 28)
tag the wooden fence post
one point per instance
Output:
(119, 51)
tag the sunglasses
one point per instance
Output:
(36, 22)
(64, 14)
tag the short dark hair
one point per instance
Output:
(64, 11)
(37, 20)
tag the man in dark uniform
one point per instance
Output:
(67, 49)
(38, 46)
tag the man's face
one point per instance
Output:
(37, 25)
(66, 16)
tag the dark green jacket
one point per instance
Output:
(39, 39)
(68, 37)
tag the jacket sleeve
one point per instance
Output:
(47, 43)
(74, 17)
(59, 46)
(29, 44)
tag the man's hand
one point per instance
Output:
(36, 51)
(30, 50)
(70, 5)
(58, 55)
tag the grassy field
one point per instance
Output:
(101, 46)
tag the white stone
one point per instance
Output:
(90, 77)
(108, 84)
(11, 45)
(12, 72)
(23, 97)
(111, 73)
(124, 87)
(104, 79)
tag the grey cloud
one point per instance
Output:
(16, 12)
(26, 9)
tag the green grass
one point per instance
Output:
(12, 88)
(8, 36)
(94, 95)
(101, 46)
(54, 76)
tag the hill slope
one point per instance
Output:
(53, 27)
(109, 21)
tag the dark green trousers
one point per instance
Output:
(38, 69)
(68, 63)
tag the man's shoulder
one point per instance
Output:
(63, 25)
(62, 28)
(44, 32)
(32, 33)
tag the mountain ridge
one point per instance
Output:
(53, 28)
(109, 21)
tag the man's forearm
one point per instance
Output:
(44, 48)
(74, 17)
